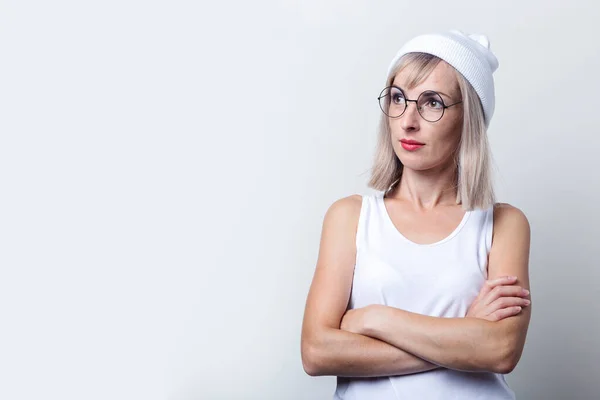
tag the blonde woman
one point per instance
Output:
(421, 290)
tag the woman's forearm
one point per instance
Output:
(466, 344)
(342, 353)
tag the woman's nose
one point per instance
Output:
(410, 118)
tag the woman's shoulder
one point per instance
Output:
(349, 205)
(509, 218)
(346, 209)
(506, 210)
(342, 218)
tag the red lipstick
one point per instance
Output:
(411, 145)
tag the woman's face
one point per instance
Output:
(440, 139)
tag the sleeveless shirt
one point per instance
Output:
(441, 279)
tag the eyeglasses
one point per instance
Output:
(430, 105)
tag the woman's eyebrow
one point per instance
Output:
(437, 91)
(448, 96)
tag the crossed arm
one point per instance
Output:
(380, 340)
(467, 344)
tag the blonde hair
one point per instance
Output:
(473, 180)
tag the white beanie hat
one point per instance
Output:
(468, 54)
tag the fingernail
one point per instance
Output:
(527, 302)
(526, 292)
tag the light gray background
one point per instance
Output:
(165, 168)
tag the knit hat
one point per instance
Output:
(469, 54)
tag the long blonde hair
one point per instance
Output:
(474, 182)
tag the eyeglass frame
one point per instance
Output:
(444, 106)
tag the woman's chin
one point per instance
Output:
(416, 163)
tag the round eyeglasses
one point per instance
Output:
(430, 105)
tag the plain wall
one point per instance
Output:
(165, 168)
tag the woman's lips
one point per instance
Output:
(411, 145)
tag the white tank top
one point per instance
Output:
(440, 279)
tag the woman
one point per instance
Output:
(420, 291)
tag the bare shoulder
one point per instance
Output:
(509, 254)
(345, 209)
(338, 235)
(511, 228)
(347, 204)
(510, 218)
(339, 232)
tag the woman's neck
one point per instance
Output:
(427, 189)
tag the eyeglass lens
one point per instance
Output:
(429, 104)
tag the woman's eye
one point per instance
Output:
(398, 99)
(434, 104)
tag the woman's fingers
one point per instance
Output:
(498, 299)
(489, 285)
(504, 291)
(505, 313)
(507, 302)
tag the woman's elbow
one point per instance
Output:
(310, 359)
(318, 355)
(508, 358)
(505, 367)
(310, 366)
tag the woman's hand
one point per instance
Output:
(499, 299)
